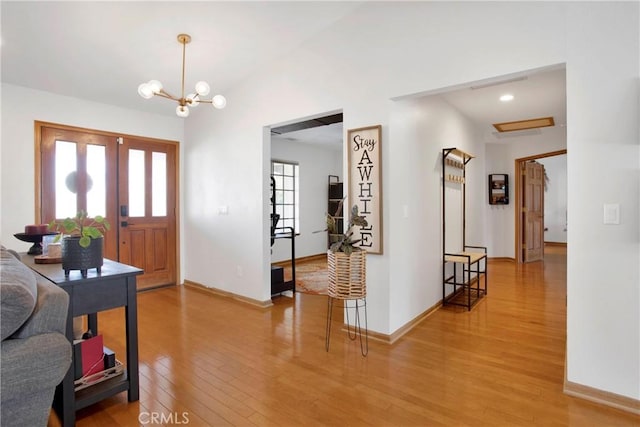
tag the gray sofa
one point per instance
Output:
(35, 352)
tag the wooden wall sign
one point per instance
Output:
(365, 184)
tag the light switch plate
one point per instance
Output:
(611, 214)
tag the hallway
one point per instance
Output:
(228, 363)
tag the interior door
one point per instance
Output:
(533, 212)
(147, 217)
(78, 172)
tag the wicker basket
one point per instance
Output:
(347, 274)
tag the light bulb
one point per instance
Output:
(145, 91)
(155, 86)
(193, 100)
(506, 97)
(182, 111)
(219, 101)
(202, 88)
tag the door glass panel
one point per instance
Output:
(136, 183)
(96, 180)
(159, 184)
(66, 179)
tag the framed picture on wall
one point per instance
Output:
(365, 184)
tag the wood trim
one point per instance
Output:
(562, 244)
(542, 155)
(102, 132)
(225, 294)
(603, 397)
(308, 258)
(413, 323)
(37, 164)
(177, 215)
(392, 338)
(518, 199)
(502, 258)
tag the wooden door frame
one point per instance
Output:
(518, 197)
(37, 133)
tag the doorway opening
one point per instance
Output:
(303, 154)
(531, 231)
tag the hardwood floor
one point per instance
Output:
(209, 361)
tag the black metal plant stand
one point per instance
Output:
(357, 327)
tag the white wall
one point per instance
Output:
(415, 47)
(420, 129)
(603, 165)
(555, 199)
(21, 107)
(316, 163)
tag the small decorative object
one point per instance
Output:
(347, 268)
(82, 246)
(55, 250)
(344, 242)
(33, 234)
(346, 262)
(51, 252)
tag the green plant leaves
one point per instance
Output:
(83, 226)
(84, 241)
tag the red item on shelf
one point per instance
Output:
(36, 229)
(89, 356)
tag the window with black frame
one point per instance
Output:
(287, 195)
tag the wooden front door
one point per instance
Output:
(78, 172)
(131, 181)
(533, 211)
(147, 226)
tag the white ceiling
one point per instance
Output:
(102, 51)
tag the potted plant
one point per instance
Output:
(82, 241)
(344, 242)
(346, 262)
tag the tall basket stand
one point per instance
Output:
(347, 282)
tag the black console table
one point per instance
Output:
(114, 286)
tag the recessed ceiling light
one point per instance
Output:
(506, 97)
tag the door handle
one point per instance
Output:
(124, 223)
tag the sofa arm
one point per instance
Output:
(50, 313)
(34, 363)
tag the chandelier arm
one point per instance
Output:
(164, 94)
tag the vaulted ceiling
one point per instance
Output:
(102, 51)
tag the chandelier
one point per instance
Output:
(154, 87)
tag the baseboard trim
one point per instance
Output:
(502, 258)
(391, 339)
(301, 259)
(225, 294)
(562, 244)
(603, 397)
(414, 322)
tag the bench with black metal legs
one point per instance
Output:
(467, 279)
